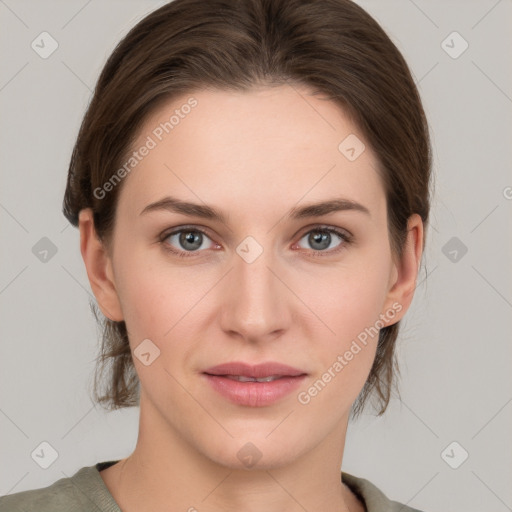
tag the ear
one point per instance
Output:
(405, 272)
(99, 267)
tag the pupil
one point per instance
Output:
(190, 238)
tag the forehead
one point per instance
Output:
(251, 148)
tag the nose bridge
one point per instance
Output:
(255, 306)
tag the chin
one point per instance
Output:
(259, 453)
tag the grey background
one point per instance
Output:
(455, 349)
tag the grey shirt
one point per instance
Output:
(85, 491)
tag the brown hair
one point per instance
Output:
(332, 46)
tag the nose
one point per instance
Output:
(255, 304)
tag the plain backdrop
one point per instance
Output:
(454, 350)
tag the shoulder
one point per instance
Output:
(81, 493)
(374, 499)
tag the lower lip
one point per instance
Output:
(254, 394)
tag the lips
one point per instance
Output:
(254, 385)
(243, 378)
(259, 371)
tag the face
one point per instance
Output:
(267, 280)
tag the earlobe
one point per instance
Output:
(99, 267)
(406, 270)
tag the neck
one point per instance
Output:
(165, 470)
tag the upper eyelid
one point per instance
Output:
(167, 233)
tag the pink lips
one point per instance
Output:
(281, 380)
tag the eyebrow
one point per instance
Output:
(175, 205)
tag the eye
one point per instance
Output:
(186, 241)
(321, 238)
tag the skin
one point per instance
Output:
(213, 307)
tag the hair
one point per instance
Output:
(333, 47)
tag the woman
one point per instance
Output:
(251, 186)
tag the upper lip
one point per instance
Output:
(255, 371)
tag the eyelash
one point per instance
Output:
(344, 236)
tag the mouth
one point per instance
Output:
(254, 385)
(243, 378)
(270, 370)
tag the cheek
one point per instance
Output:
(350, 307)
(348, 299)
(164, 303)
(148, 293)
